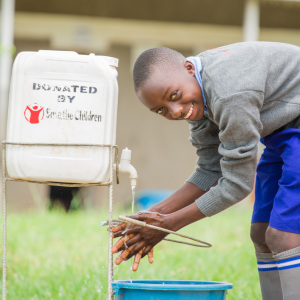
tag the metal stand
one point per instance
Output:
(113, 159)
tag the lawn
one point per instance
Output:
(53, 255)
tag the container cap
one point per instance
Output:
(112, 61)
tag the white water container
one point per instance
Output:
(61, 97)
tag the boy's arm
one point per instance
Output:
(184, 196)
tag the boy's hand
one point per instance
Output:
(139, 241)
(121, 244)
(137, 258)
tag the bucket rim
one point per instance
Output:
(190, 285)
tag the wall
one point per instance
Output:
(161, 151)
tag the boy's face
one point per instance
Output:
(176, 95)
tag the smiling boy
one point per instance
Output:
(161, 92)
(232, 97)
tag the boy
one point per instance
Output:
(232, 97)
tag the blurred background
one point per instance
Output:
(161, 152)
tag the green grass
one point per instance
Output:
(53, 255)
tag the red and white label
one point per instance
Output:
(34, 113)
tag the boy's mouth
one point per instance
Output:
(189, 112)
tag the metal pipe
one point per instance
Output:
(4, 262)
(6, 57)
(251, 20)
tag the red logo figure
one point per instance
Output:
(34, 113)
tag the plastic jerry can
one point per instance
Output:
(61, 97)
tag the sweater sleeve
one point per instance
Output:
(204, 136)
(239, 122)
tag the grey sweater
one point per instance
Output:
(252, 89)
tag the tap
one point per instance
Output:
(126, 167)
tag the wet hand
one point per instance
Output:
(140, 236)
(121, 245)
(139, 241)
(137, 257)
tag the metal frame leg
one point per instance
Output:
(4, 222)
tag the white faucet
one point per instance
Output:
(126, 167)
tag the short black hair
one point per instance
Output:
(164, 58)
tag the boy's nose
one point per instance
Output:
(175, 110)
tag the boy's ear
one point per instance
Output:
(189, 67)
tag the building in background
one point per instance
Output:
(161, 152)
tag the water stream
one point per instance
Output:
(132, 199)
(132, 212)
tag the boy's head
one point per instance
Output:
(164, 81)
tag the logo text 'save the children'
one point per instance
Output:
(35, 113)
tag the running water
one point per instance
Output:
(133, 196)
(117, 268)
(131, 272)
(132, 212)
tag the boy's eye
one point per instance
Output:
(160, 110)
(173, 95)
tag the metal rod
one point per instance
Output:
(4, 222)
(60, 183)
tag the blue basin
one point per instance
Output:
(170, 290)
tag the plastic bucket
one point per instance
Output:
(170, 290)
(147, 198)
